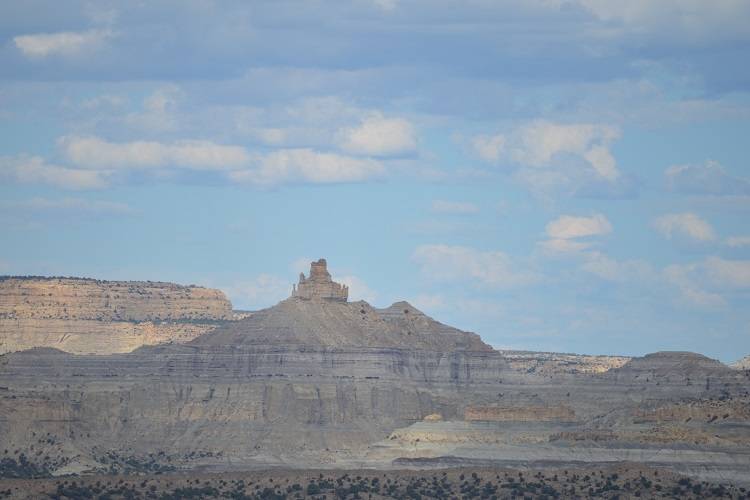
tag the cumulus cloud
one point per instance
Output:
(552, 157)
(33, 169)
(97, 162)
(684, 224)
(561, 246)
(306, 165)
(67, 43)
(564, 233)
(568, 226)
(711, 282)
(379, 136)
(159, 111)
(454, 207)
(711, 178)
(681, 277)
(95, 153)
(466, 264)
(541, 141)
(489, 147)
(724, 273)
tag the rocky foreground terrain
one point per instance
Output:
(323, 382)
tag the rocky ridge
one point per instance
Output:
(92, 316)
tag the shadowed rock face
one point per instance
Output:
(312, 382)
(343, 324)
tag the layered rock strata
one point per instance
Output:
(92, 316)
(317, 382)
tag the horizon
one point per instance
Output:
(556, 176)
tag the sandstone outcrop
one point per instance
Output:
(93, 316)
(319, 285)
(741, 364)
(555, 364)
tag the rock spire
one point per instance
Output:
(319, 285)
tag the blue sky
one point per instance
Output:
(565, 175)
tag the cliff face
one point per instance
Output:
(92, 316)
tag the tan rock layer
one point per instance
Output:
(559, 413)
(103, 317)
(93, 337)
(76, 298)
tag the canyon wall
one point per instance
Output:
(80, 315)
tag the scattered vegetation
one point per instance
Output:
(333, 485)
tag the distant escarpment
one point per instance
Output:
(80, 315)
(318, 381)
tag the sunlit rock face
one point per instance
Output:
(102, 317)
(319, 285)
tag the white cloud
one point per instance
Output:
(568, 227)
(454, 207)
(379, 136)
(729, 274)
(465, 264)
(95, 153)
(33, 169)
(710, 178)
(551, 157)
(681, 276)
(159, 111)
(489, 147)
(306, 165)
(564, 234)
(358, 289)
(68, 43)
(562, 246)
(77, 205)
(540, 142)
(738, 241)
(709, 282)
(684, 278)
(685, 224)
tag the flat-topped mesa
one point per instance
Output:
(319, 286)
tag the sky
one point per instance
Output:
(555, 175)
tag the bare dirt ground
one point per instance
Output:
(623, 481)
